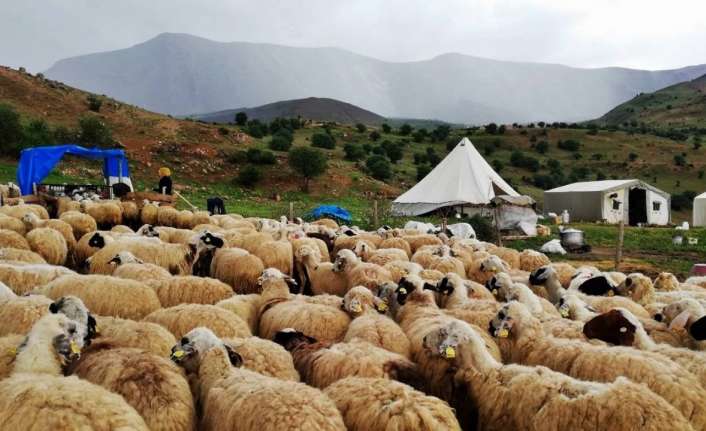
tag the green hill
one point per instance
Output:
(681, 105)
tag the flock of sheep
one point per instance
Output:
(115, 316)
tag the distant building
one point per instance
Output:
(633, 201)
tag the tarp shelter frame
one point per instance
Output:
(37, 162)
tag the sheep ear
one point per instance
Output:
(235, 359)
(680, 321)
(53, 308)
(698, 329)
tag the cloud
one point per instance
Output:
(632, 33)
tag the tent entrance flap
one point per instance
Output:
(637, 206)
(36, 163)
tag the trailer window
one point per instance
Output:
(656, 205)
(616, 204)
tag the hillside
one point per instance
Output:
(680, 105)
(180, 74)
(311, 108)
(206, 159)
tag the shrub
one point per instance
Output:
(237, 157)
(393, 151)
(323, 140)
(422, 171)
(64, 135)
(307, 162)
(256, 129)
(360, 127)
(518, 159)
(632, 157)
(353, 152)
(386, 128)
(241, 118)
(367, 148)
(280, 143)
(432, 157)
(497, 165)
(91, 130)
(374, 135)
(37, 133)
(441, 132)
(683, 201)
(379, 150)
(680, 160)
(569, 145)
(501, 129)
(259, 157)
(420, 158)
(249, 176)
(223, 131)
(10, 130)
(491, 128)
(379, 167)
(405, 129)
(484, 227)
(94, 102)
(545, 182)
(542, 147)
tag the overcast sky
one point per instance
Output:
(649, 34)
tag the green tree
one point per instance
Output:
(405, 129)
(256, 129)
(37, 133)
(280, 143)
(680, 160)
(542, 147)
(353, 152)
(501, 129)
(497, 165)
(92, 131)
(307, 162)
(374, 135)
(491, 128)
(441, 132)
(94, 102)
(241, 118)
(323, 140)
(260, 157)
(10, 130)
(422, 171)
(360, 127)
(249, 176)
(386, 128)
(379, 167)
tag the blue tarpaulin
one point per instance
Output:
(331, 211)
(37, 162)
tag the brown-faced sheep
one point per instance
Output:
(22, 279)
(147, 336)
(12, 239)
(237, 268)
(320, 276)
(524, 342)
(278, 311)
(19, 255)
(37, 396)
(189, 289)
(152, 385)
(370, 325)
(182, 318)
(320, 364)
(265, 357)
(365, 406)
(105, 295)
(231, 397)
(49, 244)
(360, 273)
(533, 398)
(247, 307)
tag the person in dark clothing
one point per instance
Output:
(165, 181)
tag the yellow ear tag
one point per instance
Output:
(74, 348)
(494, 270)
(357, 308)
(12, 351)
(403, 291)
(178, 354)
(450, 353)
(564, 312)
(503, 333)
(495, 291)
(381, 306)
(611, 293)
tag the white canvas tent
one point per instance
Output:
(700, 210)
(462, 178)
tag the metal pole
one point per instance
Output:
(619, 250)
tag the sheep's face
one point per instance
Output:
(633, 283)
(499, 285)
(188, 351)
(502, 324)
(149, 230)
(404, 288)
(666, 281)
(357, 300)
(97, 240)
(681, 314)
(344, 260)
(569, 306)
(540, 276)
(361, 248)
(493, 264)
(211, 241)
(445, 286)
(290, 339)
(124, 257)
(443, 342)
(599, 286)
(612, 327)
(76, 310)
(61, 332)
(272, 274)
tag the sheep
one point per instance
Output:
(247, 307)
(329, 223)
(122, 229)
(231, 396)
(365, 406)
(668, 282)
(80, 223)
(509, 291)
(182, 318)
(33, 222)
(19, 314)
(417, 241)
(178, 259)
(23, 279)
(397, 243)
(360, 273)
(253, 240)
(640, 289)
(130, 267)
(320, 276)
(50, 244)
(12, 239)
(147, 336)
(687, 314)
(484, 269)
(237, 268)
(37, 396)
(105, 213)
(152, 385)
(522, 397)
(697, 281)
(148, 213)
(313, 243)
(13, 224)
(105, 295)
(371, 326)
(130, 211)
(621, 327)
(276, 254)
(525, 343)
(320, 364)
(18, 211)
(166, 234)
(19, 255)
(399, 269)
(8, 351)
(65, 204)
(189, 289)
(278, 312)
(265, 357)
(531, 260)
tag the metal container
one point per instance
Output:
(571, 238)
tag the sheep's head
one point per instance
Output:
(187, 352)
(361, 248)
(274, 274)
(358, 300)
(444, 340)
(666, 281)
(540, 276)
(290, 339)
(73, 308)
(30, 218)
(617, 326)
(124, 257)
(635, 286)
(386, 295)
(97, 240)
(344, 259)
(149, 231)
(442, 250)
(500, 285)
(508, 319)
(210, 240)
(686, 313)
(447, 285)
(570, 305)
(57, 331)
(493, 264)
(599, 285)
(408, 285)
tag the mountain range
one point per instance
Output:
(181, 74)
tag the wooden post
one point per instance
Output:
(291, 211)
(376, 222)
(619, 249)
(497, 228)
